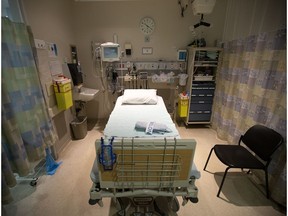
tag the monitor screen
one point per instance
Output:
(110, 52)
(182, 55)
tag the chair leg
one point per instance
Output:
(223, 179)
(208, 158)
(267, 186)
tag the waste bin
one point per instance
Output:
(79, 127)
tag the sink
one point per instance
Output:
(85, 94)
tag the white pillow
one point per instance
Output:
(140, 96)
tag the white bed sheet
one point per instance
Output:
(123, 118)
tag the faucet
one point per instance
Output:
(79, 87)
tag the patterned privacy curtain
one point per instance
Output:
(26, 127)
(251, 89)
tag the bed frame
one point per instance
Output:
(144, 170)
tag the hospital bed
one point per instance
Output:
(149, 166)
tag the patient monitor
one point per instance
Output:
(110, 52)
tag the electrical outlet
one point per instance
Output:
(147, 50)
(140, 66)
(154, 66)
(40, 44)
(147, 39)
(162, 66)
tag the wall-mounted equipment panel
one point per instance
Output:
(152, 65)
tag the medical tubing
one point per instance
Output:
(122, 81)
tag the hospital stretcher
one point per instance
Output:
(147, 167)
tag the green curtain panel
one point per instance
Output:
(251, 89)
(26, 127)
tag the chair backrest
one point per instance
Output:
(263, 141)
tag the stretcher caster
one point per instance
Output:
(193, 199)
(187, 199)
(95, 201)
(33, 183)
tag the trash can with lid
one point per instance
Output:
(79, 127)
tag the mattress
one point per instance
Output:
(122, 123)
(124, 117)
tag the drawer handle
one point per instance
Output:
(201, 95)
(209, 95)
(201, 102)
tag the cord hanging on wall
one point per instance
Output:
(183, 6)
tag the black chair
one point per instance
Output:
(261, 141)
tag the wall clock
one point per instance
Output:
(147, 25)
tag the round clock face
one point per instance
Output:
(147, 25)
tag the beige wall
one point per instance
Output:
(51, 21)
(67, 22)
(99, 21)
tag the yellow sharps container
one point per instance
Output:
(183, 105)
(63, 93)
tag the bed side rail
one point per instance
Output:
(148, 167)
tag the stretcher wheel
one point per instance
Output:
(33, 183)
(93, 201)
(193, 199)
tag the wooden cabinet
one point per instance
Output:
(203, 64)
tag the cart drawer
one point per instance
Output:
(201, 84)
(203, 92)
(201, 106)
(199, 98)
(196, 116)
